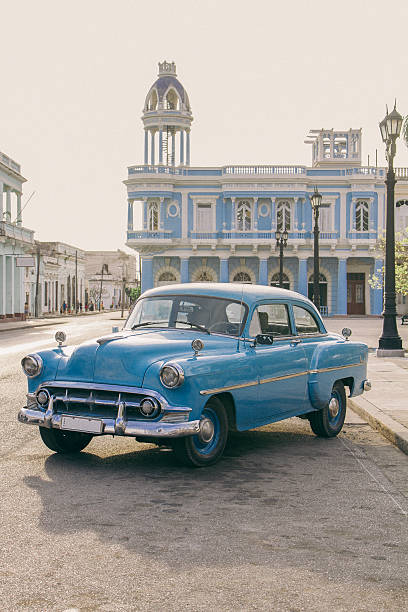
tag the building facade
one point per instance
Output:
(219, 223)
(56, 281)
(107, 274)
(16, 241)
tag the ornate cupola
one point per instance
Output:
(167, 113)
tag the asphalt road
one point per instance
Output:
(285, 522)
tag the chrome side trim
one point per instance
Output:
(276, 378)
(131, 428)
(230, 388)
(268, 380)
(352, 365)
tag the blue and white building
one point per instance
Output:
(219, 223)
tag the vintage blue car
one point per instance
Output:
(193, 362)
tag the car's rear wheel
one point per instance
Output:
(206, 447)
(65, 441)
(329, 421)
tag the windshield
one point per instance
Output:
(211, 314)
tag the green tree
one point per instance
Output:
(376, 281)
(133, 293)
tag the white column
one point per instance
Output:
(233, 213)
(173, 148)
(146, 147)
(187, 147)
(19, 217)
(1, 202)
(152, 151)
(8, 204)
(181, 147)
(255, 211)
(3, 285)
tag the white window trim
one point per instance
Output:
(354, 203)
(250, 201)
(291, 201)
(212, 200)
(331, 200)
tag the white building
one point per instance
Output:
(107, 273)
(59, 281)
(15, 240)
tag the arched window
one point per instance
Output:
(152, 104)
(242, 277)
(244, 216)
(153, 216)
(204, 277)
(172, 100)
(362, 216)
(283, 216)
(322, 289)
(275, 280)
(167, 277)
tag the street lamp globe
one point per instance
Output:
(316, 199)
(384, 129)
(285, 236)
(394, 123)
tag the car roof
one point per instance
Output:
(248, 293)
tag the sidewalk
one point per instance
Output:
(385, 407)
(53, 320)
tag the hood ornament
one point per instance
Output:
(197, 345)
(60, 337)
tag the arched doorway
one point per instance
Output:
(322, 290)
(275, 281)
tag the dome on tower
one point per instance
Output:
(167, 92)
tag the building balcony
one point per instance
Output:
(401, 174)
(10, 230)
(10, 163)
(264, 170)
(160, 236)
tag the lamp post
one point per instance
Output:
(390, 343)
(316, 201)
(104, 269)
(282, 243)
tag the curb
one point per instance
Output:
(34, 326)
(386, 425)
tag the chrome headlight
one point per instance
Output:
(171, 375)
(32, 365)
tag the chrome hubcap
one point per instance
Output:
(334, 407)
(206, 430)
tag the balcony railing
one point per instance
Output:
(146, 235)
(401, 173)
(10, 230)
(204, 235)
(372, 235)
(293, 170)
(7, 161)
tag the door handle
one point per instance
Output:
(295, 341)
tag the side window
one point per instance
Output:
(270, 319)
(305, 321)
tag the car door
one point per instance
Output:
(281, 365)
(309, 329)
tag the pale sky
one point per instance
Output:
(259, 75)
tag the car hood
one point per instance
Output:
(123, 358)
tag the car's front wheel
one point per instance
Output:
(329, 421)
(206, 447)
(65, 441)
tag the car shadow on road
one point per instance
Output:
(279, 496)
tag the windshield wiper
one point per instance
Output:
(195, 326)
(146, 323)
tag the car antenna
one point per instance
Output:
(240, 322)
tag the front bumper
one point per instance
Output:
(116, 427)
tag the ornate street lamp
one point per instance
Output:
(316, 201)
(282, 243)
(390, 343)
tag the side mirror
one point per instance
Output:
(263, 339)
(346, 332)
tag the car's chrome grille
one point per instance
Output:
(98, 402)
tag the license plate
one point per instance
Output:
(76, 423)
